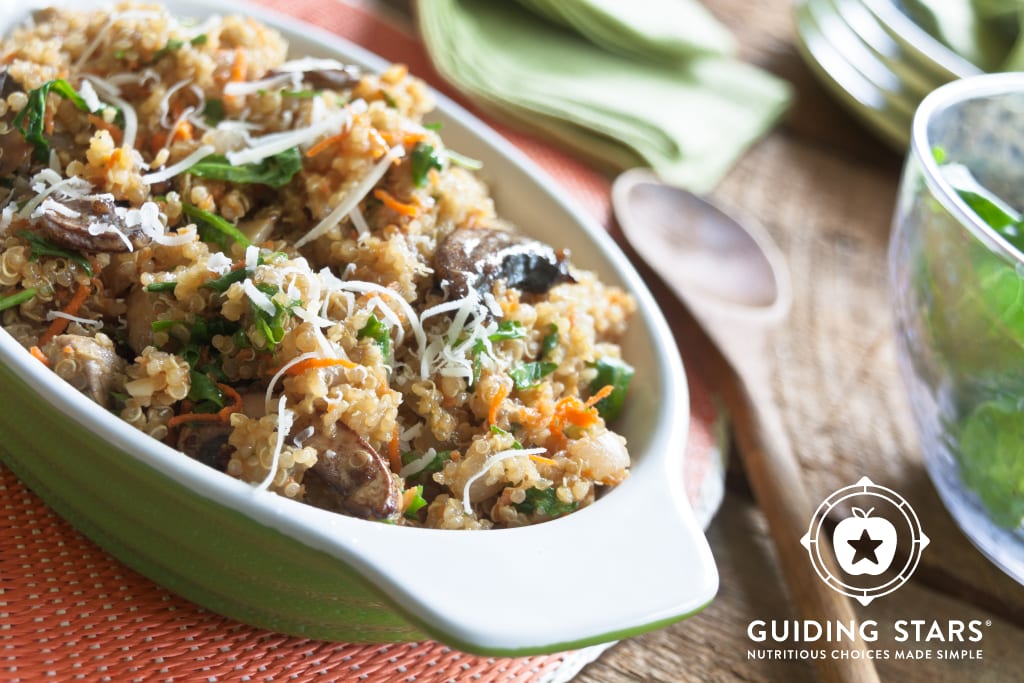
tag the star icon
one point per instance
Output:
(865, 547)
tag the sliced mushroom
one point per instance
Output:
(90, 224)
(206, 442)
(330, 79)
(90, 364)
(350, 477)
(260, 227)
(14, 149)
(477, 258)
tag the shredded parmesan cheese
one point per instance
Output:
(285, 418)
(355, 195)
(488, 464)
(258, 298)
(183, 165)
(50, 315)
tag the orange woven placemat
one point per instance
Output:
(71, 612)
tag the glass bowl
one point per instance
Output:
(958, 292)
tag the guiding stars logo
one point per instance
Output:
(877, 542)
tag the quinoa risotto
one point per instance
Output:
(275, 266)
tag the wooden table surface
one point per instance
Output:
(825, 187)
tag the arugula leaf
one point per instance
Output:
(527, 375)
(423, 158)
(213, 111)
(275, 171)
(417, 502)
(225, 281)
(40, 246)
(545, 502)
(272, 326)
(618, 374)
(1001, 217)
(214, 222)
(435, 465)
(378, 332)
(507, 329)
(550, 342)
(205, 393)
(175, 44)
(31, 120)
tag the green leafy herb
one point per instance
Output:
(495, 429)
(1001, 217)
(215, 223)
(204, 393)
(433, 125)
(991, 459)
(40, 246)
(174, 44)
(225, 281)
(479, 350)
(939, 154)
(30, 121)
(435, 465)
(527, 375)
(378, 332)
(272, 326)
(507, 329)
(17, 299)
(161, 286)
(550, 342)
(165, 325)
(545, 503)
(276, 170)
(423, 158)
(417, 502)
(618, 374)
(388, 99)
(300, 94)
(213, 111)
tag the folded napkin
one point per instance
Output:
(986, 33)
(609, 80)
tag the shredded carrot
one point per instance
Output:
(394, 204)
(311, 363)
(408, 496)
(101, 123)
(236, 402)
(60, 324)
(602, 393)
(380, 144)
(573, 411)
(327, 142)
(541, 459)
(395, 451)
(183, 131)
(500, 395)
(39, 355)
(222, 415)
(193, 417)
(239, 66)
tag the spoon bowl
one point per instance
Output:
(709, 258)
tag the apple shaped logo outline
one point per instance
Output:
(810, 541)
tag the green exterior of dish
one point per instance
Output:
(194, 546)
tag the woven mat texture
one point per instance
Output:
(71, 612)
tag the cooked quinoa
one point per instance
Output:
(273, 265)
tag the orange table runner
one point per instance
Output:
(69, 611)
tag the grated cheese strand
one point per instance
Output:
(285, 418)
(179, 167)
(355, 195)
(490, 462)
(50, 315)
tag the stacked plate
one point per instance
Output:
(876, 60)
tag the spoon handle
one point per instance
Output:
(775, 478)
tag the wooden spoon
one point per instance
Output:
(735, 282)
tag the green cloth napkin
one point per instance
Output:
(668, 99)
(984, 32)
